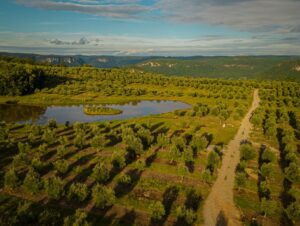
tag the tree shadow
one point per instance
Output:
(128, 218)
(221, 219)
(122, 189)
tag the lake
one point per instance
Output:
(41, 115)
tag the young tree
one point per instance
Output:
(213, 160)
(267, 170)
(162, 140)
(293, 212)
(54, 187)
(101, 172)
(61, 151)
(292, 172)
(268, 207)
(157, 210)
(32, 182)
(103, 196)
(78, 219)
(98, 142)
(118, 160)
(11, 179)
(79, 141)
(247, 152)
(268, 155)
(78, 191)
(240, 179)
(61, 165)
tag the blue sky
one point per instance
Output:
(151, 27)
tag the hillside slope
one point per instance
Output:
(225, 67)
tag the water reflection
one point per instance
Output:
(41, 115)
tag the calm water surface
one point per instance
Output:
(41, 115)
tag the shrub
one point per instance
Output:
(79, 141)
(103, 196)
(157, 210)
(162, 140)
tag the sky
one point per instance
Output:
(151, 27)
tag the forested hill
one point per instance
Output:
(260, 67)
(264, 67)
(79, 60)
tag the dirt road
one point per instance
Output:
(219, 208)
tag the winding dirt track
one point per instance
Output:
(219, 208)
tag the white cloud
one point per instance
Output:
(114, 9)
(245, 15)
(74, 43)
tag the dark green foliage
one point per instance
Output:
(18, 79)
(103, 196)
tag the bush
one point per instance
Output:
(54, 187)
(79, 191)
(162, 140)
(79, 141)
(157, 210)
(103, 196)
(247, 152)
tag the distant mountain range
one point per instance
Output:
(261, 67)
